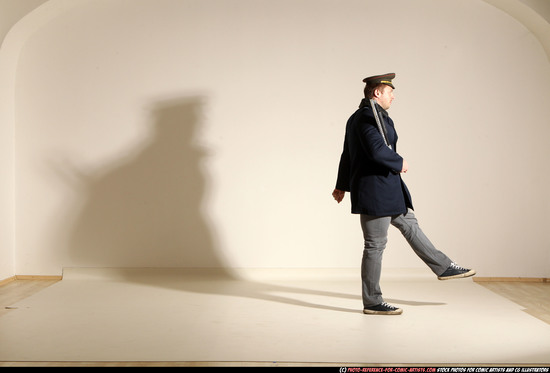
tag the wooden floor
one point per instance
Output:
(534, 297)
(17, 290)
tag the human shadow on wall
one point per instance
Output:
(145, 210)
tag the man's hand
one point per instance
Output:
(338, 195)
(405, 166)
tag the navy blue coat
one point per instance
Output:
(369, 170)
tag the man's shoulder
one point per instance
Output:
(362, 115)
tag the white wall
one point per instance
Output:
(11, 11)
(207, 133)
(7, 253)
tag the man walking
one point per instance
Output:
(370, 169)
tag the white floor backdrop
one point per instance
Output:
(268, 317)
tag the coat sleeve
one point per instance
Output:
(373, 144)
(343, 180)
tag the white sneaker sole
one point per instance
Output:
(398, 311)
(462, 275)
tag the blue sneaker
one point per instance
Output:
(455, 271)
(383, 309)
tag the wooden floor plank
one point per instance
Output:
(534, 296)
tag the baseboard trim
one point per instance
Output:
(476, 279)
(30, 277)
(37, 277)
(7, 280)
(511, 279)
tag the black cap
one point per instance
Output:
(380, 79)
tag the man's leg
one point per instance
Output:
(375, 234)
(435, 259)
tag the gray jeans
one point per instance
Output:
(375, 233)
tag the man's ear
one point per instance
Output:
(377, 92)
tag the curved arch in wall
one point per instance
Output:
(12, 11)
(533, 14)
(23, 27)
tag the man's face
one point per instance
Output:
(384, 96)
